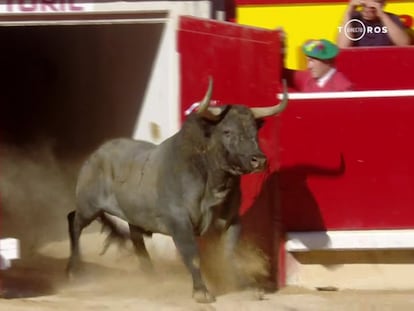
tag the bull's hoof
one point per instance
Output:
(71, 274)
(203, 296)
(257, 293)
(74, 271)
(71, 277)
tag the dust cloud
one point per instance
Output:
(246, 267)
(37, 191)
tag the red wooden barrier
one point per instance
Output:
(375, 188)
(378, 68)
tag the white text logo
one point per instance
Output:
(355, 30)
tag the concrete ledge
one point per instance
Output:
(350, 94)
(350, 240)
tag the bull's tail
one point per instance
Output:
(118, 231)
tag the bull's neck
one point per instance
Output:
(218, 175)
(205, 155)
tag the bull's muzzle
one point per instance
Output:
(258, 163)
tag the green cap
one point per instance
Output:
(320, 49)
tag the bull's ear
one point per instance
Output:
(259, 123)
(214, 113)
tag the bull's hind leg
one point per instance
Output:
(140, 249)
(76, 223)
(185, 242)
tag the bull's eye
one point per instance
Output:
(226, 133)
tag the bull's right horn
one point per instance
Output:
(203, 109)
(261, 112)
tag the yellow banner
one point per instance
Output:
(305, 21)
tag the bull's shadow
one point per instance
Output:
(284, 196)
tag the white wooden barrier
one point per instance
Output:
(9, 250)
(350, 240)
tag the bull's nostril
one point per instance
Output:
(257, 162)
(254, 162)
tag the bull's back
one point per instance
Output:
(111, 163)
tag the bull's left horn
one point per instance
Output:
(261, 112)
(207, 97)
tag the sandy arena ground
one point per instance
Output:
(115, 282)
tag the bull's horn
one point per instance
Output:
(211, 113)
(206, 100)
(261, 112)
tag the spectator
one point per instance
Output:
(366, 24)
(321, 74)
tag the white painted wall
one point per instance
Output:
(159, 116)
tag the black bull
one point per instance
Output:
(178, 188)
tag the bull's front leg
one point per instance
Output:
(231, 242)
(231, 238)
(184, 239)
